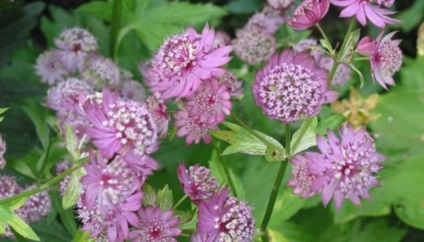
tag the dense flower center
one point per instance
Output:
(289, 92)
(390, 57)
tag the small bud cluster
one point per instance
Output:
(197, 182)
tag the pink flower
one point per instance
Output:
(100, 72)
(155, 226)
(308, 13)
(364, 9)
(61, 167)
(268, 20)
(8, 186)
(185, 60)
(223, 218)
(193, 127)
(158, 109)
(197, 182)
(132, 90)
(386, 59)
(233, 84)
(49, 67)
(342, 170)
(291, 87)
(365, 46)
(118, 126)
(221, 39)
(280, 4)
(211, 102)
(2, 152)
(109, 183)
(36, 206)
(253, 45)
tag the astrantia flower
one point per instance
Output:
(102, 72)
(221, 39)
(158, 109)
(197, 182)
(107, 184)
(118, 126)
(224, 218)
(155, 226)
(36, 206)
(291, 87)
(65, 96)
(74, 45)
(308, 13)
(61, 167)
(110, 222)
(2, 152)
(309, 44)
(233, 84)
(365, 9)
(132, 90)
(49, 67)
(210, 102)
(193, 127)
(268, 20)
(344, 168)
(280, 4)
(8, 186)
(386, 59)
(185, 60)
(253, 45)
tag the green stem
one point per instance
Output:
(337, 58)
(114, 30)
(276, 187)
(180, 201)
(321, 30)
(226, 169)
(42, 187)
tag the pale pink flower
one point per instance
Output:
(308, 13)
(197, 182)
(269, 20)
(234, 85)
(155, 226)
(100, 72)
(36, 206)
(193, 128)
(186, 60)
(280, 4)
(365, 10)
(253, 45)
(2, 152)
(291, 87)
(221, 39)
(49, 67)
(132, 90)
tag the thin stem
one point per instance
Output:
(321, 30)
(180, 201)
(226, 169)
(42, 187)
(114, 30)
(276, 187)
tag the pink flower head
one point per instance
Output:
(221, 39)
(36, 206)
(365, 9)
(158, 109)
(308, 13)
(74, 45)
(118, 126)
(197, 182)
(253, 45)
(8, 186)
(64, 97)
(291, 87)
(386, 59)
(101, 72)
(224, 218)
(193, 127)
(365, 46)
(342, 170)
(49, 67)
(211, 102)
(155, 226)
(107, 184)
(268, 20)
(63, 184)
(233, 84)
(132, 90)
(185, 60)
(2, 152)
(280, 4)
(110, 222)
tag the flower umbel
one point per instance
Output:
(197, 182)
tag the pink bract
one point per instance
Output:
(308, 13)
(197, 182)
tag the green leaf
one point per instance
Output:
(66, 215)
(244, 6)
(164, 198)
(351, 42)
(5, 214)
(276, 236)
(149, 198)
(326, 45)
(377, 231)
(242, 141)
(411, 17)
(71, 142)
(333, 122)
(22, 228)
(102, 10)
(305, 136)
(38, 115)
(82, 236)
(73, 190)
(2, 110)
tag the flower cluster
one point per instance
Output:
(34, 209)
(197, 182)
(2, 152)
(343, 169)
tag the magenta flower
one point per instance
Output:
(365, 46)
(118, 126)
(185, 60)
(2, 152)
(158, 109)
(197, 182)
(223, 218)
(308, 13)
(342, 170)
(253, 45)
(291, 87)
(109, 183)
(365, 9)
(386, 59)
(110, 222)
(49, 67)
(192, 127)
(75, 45)
(155, 226)
(211, 102)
